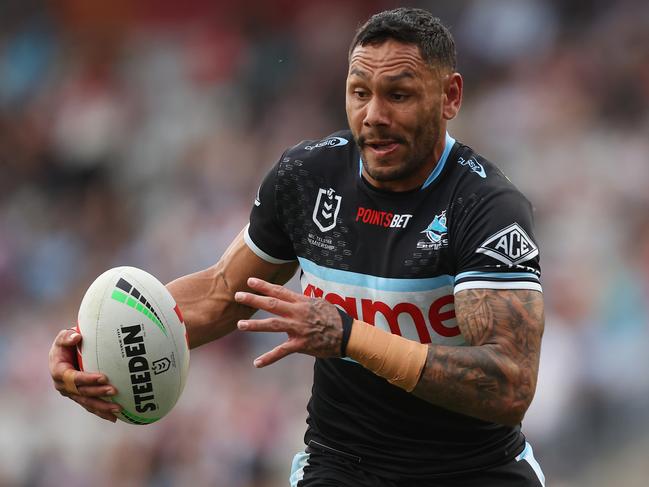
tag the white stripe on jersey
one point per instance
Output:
(532, 286)
(260, 253)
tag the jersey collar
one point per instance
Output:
(448, 145)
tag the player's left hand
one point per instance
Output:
(313, 326)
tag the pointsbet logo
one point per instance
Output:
(379, 218)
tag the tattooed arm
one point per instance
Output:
(494, 377)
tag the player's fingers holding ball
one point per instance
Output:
(67, 338)
(97, 391)
(69, 383)
(97, 406)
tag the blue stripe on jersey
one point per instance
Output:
(497, 275)
(300, 461)
(528, 455)
(448, 145)
(442, 161)
(375, 282)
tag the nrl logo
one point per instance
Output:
(511, 245)
(160, 366)
(327, 206)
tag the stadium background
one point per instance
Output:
(137, 133)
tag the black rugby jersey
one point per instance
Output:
(394, 260)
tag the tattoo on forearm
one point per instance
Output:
(497, 371)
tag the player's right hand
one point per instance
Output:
(85, 388)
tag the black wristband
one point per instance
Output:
(347, 331)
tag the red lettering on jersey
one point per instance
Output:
(313, 292)
(347, 304)
(382, 218)
(436, 318)
(369, 308)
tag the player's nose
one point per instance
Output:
(376, 113)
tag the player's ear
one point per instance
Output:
(452, 99)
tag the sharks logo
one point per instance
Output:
(436, 233)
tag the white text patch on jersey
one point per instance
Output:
(511, 245)
(418, 309)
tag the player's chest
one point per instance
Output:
(405, 237)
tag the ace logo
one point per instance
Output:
(326, 209)
(511, 245)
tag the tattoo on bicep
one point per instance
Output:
(503, 332)
(478, 317)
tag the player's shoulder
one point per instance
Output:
(479, 176)
(338, 146)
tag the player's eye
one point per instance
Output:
(397, 96)
(361, 94)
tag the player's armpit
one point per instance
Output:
(206, 298)
(494, 377)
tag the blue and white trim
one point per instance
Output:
(448, 145)
(374, 282)
(300, 461)
(497, 280)
(497, 285)
(260, 253)
(498, 275)
(527, 455)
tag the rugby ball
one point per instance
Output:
(134, 333)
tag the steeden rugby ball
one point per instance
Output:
(134, 333)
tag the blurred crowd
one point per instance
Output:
(136, 133)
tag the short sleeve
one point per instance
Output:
(265, 235)
(494, 244)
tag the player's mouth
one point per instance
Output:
(382, 147)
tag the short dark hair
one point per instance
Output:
(410, 26)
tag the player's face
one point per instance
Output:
(396, 111)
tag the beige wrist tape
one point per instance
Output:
(392, 357)
(68, 381)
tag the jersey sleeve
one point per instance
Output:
(265, 235)
(495, 246)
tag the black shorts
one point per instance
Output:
(322, 466)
